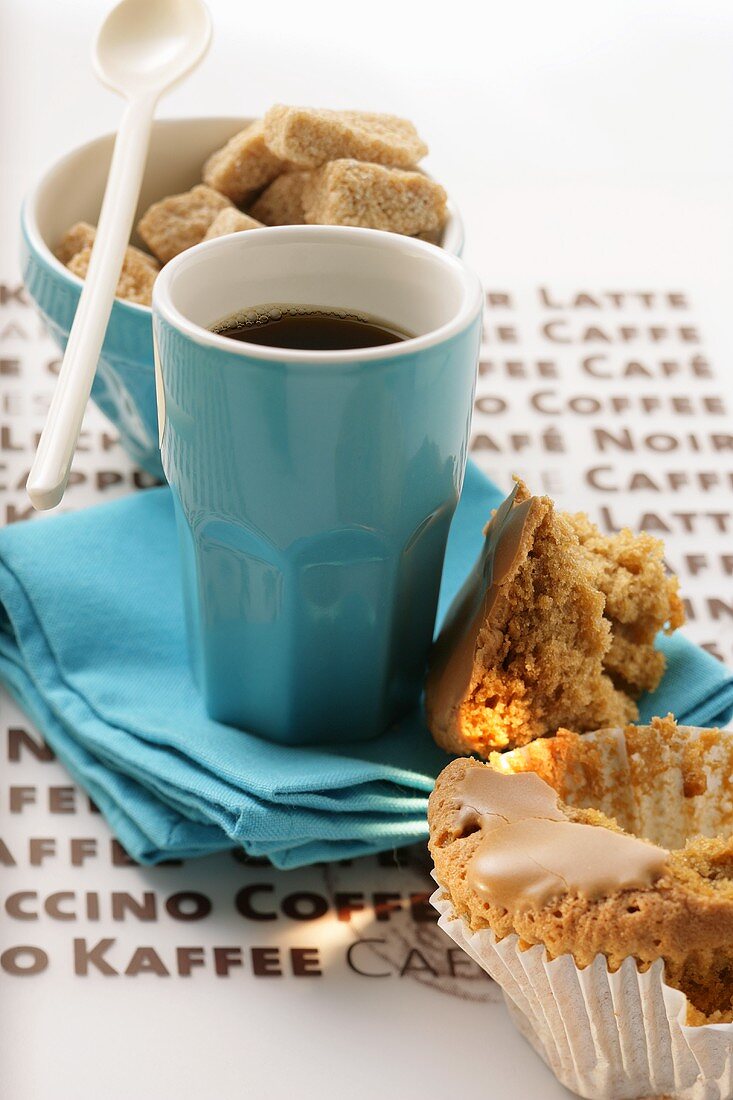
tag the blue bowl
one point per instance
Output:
(71, 191)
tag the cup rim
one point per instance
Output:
(470, 306)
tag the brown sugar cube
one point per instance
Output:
(179, 222)
(136, 278)
(347, 192)
(309, 137)
(432, 236)
(230, 221)
(80, 236)
(282, 202)
(243, 166)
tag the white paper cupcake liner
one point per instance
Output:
(605, 1036)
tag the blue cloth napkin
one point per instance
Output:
(92, 646)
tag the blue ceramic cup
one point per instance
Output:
(314, 490)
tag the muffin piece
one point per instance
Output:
(309, 136)
(509, 854)
(347, 192)
(640, 600)
(521, 651)
(282, 202)
(180, 221)
(525, 645)
(230, 221)
(136, 277)
(243, 166)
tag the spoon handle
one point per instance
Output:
(50, 470)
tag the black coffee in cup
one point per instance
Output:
(309, 328)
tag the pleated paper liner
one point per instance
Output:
(605, 1036)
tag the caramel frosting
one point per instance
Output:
(530, 853)
(451, 662)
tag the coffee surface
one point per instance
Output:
(307, 328)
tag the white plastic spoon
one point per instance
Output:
(143, 48)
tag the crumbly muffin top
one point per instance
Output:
(679, 908)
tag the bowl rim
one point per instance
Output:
(37, 243)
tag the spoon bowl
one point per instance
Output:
(150, 43)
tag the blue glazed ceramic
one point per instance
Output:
(71, 191)
(314, 490)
